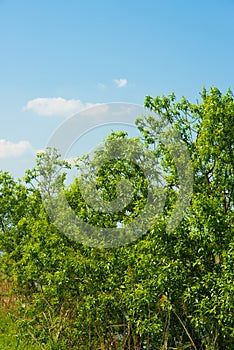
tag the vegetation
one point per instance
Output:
(9, 333)
(169, 289)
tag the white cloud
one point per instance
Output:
(101, 86)
(120, 83)
(10, 149)
(56, 106)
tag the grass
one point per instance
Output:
(10, 338)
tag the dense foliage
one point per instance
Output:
(170, 289)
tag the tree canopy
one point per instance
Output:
(166, 289)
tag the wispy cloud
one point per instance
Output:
(9, 149)
(56, 106)
(120, 83)
(101, 86)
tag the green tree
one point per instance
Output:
(168, 289)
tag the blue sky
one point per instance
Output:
(58, 57)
